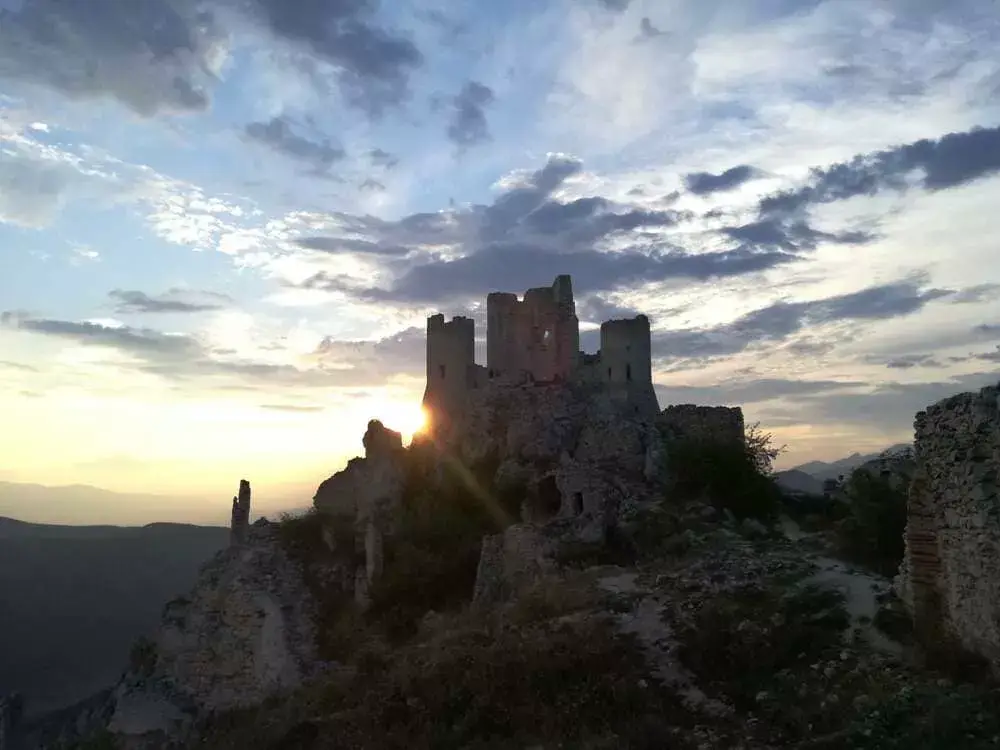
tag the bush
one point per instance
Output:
(872, 534)
(738, 643)
(531, 686)
(730, 475)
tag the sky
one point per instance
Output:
(224, 223)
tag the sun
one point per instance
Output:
(408, 418)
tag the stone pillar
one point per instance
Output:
(240, 522)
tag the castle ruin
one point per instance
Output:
(536, 341)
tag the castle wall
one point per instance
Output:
(691, 422)
(451, 355)
(950, 577)
(626, 351)
(539, 335)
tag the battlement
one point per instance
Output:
(536, 339)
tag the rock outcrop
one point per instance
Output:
(367, 493)
(240, 519)
(243, 634)
(950, 576)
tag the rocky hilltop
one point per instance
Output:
(557, 569)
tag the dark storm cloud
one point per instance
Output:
(152, 55)
(277, 135)
(936, 164)
(780, 321)
(184, 357)
(705, 183)
(173, 301)
(374, 62)
(468, 126)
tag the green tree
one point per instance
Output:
(873, 531)
(732, 475)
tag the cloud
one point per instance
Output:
(152, 55)
(374, 63)
(790, 235)
(277, 135)
(907, 362)
(335, 245)
(976, 294)
(618, 6)
(292, 408)
(531, 232)
(743, 391)
(381, 158)
(144, 342)
(173, 301)
(648, 31)
(704, 183)
(889, 405)
(780, 321)
(33, 191)
(952, 160)
(187, 358)
(468, 126)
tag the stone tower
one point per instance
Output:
(240, 522)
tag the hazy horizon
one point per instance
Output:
(222, 227)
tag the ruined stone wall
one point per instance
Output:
(691, 422)
(451, 353)
(950, 577)
(539, 335)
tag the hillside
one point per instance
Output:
(831, 470)
(795, 480)
(80, 595)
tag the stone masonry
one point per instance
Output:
(950, 576)
(690, 422)
(535, 340)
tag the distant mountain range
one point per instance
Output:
(74, 598)
(82, 504)
(809, 477)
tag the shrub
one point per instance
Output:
(739, 642)
(872, 533)
(730, 475)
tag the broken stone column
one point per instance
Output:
(240, 522)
